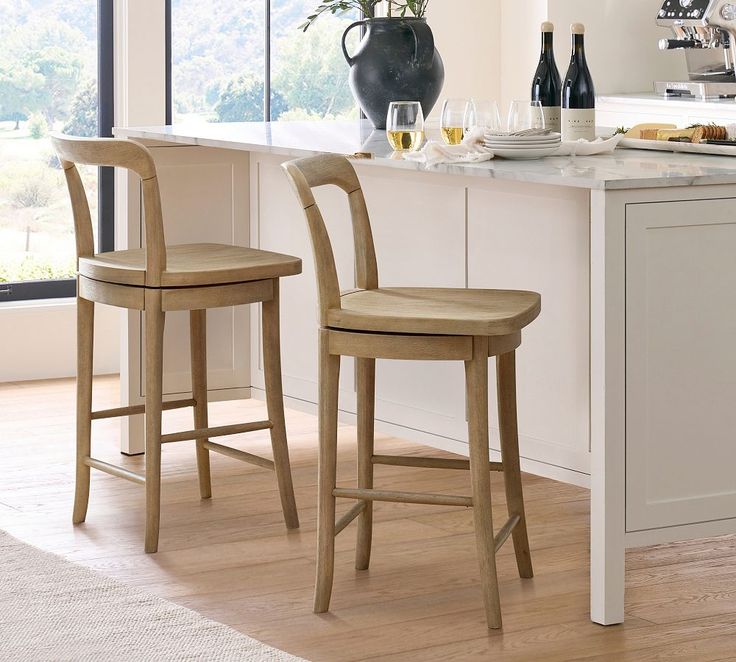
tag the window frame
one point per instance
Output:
(60, 289)
(267, 51)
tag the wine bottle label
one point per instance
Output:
(552, 118)
(578, 123)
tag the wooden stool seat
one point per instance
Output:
(421, 324)
(157, 279)
(452, 312)
(191, 265)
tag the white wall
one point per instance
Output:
(469, 41)
(621, 43)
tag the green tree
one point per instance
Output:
(40, 68)
(312, 73)
(242, 101)
(83, 120)
(20, 90)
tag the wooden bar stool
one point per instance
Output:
(410, 324)
(158, 279)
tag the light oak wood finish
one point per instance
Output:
(372, 323)
(420, 601)
(157, 279)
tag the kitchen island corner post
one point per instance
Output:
(608, 405)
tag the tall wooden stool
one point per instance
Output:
(158, 279)
(410, 324)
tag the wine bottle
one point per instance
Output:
(547, 86)
(578, 93)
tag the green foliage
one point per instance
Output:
(313, 74)
(37, 126)
(242, 101)
(83, 119)
(417, 7)
(368, 7)
(33, 267)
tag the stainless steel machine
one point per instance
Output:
(706, 31)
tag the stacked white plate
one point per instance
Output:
(530, 146)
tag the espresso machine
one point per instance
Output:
(706, 31)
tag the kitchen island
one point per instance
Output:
(626, 381)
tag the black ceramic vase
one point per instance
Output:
(396, 61)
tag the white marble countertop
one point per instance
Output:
(624, 169)
(685, 103)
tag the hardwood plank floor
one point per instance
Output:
(232, 560)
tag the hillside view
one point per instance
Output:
(48, 70)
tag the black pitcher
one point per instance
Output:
(396, 61)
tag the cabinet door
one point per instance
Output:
(680, 363)
(204, 195)
(537, 238)
(278, 224)
(419, 231)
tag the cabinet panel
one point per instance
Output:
(419, 232)
(537, 238)
(681, 365)
(204, 200)
(279, 225)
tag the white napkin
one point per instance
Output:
(589, 148)
(471, 150)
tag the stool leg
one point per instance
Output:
(506, 379)
(198, 340)
(155, 319)
(329, 382)
(85, 345)
(275, 404)
(366, 372)
(476, 372)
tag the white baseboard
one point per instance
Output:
(441, 443)
(38, 340)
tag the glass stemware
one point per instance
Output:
(405, 126)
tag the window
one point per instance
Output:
(227, 55)
(55, 75)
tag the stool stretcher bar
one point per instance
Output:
(140, 409)
(404, 497)
(348, 517)
(429, 462)
(239, 455)
(114, 470)
(505, 531)
(223, 431)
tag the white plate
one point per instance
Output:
(526, 154)
(524, 146)
(552, 137)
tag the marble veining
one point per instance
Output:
(624, 169)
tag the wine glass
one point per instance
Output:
(405, 126)
(524, 115)
(452, 122)
(482, 114)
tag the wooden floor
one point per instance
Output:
(232, 560)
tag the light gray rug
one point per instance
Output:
(51, 609)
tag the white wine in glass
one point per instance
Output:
(452, 122)
(405, 126)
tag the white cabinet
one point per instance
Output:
(537, 238)
(680, 363)
(278, 224)
(204, 195)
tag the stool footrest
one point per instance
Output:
(114, 470)
(239, 455)
(223, 431)
(503, 535)
(404, 497)
(428, 462)
(140, 409)
(348, 517)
